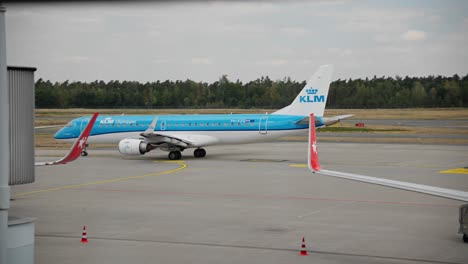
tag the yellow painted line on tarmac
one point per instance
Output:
(456, 171)
(298, 165)
(181, 167)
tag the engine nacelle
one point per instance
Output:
(131, 146)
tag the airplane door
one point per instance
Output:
(163, 125)
(263, 125)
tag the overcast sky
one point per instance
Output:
(203, 40)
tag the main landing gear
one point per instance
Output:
(175, 155)
(199, 153)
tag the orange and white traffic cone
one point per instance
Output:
(303, 248)
(84, 237)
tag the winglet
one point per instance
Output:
(313, 162)
(77, 147)
(150, 130)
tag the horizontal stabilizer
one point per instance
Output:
(341, 117)
(328, 121)
(303, 121)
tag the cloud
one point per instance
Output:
(366, 20)
(295, 31)
(76, 59)
(346, 52)
(86, 20)
(202, 61)
(160, 61)
(244, 39)
(414, 35)
(154, 34)
(272, 62)
(383, 38)
(240, 28)
(278, 62)
(245, 9)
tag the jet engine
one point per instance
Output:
(131, 146)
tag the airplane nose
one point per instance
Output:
(58, 134)
(64, 133)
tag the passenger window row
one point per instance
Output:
(214, 124)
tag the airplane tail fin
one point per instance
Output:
(312, 161)
(313, 97)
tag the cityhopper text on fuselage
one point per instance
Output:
(138, 134)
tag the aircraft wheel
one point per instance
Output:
(199, 153)
(465, 238)
(175, 155)
(202, 153)
(84, 153)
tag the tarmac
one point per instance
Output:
(246, 204)
(430, 123)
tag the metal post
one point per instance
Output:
(4, 142)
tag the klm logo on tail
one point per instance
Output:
(312, 97)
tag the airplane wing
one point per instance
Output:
(180, 140)
(77, 147)
(51, 126)
(314, 166)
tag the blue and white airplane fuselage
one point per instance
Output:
(227, 129)
(137, 135)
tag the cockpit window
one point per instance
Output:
(69, 124)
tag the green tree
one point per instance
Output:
(418, 94)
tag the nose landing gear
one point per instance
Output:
(84, 153)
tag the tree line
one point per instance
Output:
(378, 92)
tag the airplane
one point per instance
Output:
(314, 165)
(137, 135)
(77, 147)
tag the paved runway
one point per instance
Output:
(434, 123)
(247, 204)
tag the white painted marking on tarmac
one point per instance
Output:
(325, 209)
